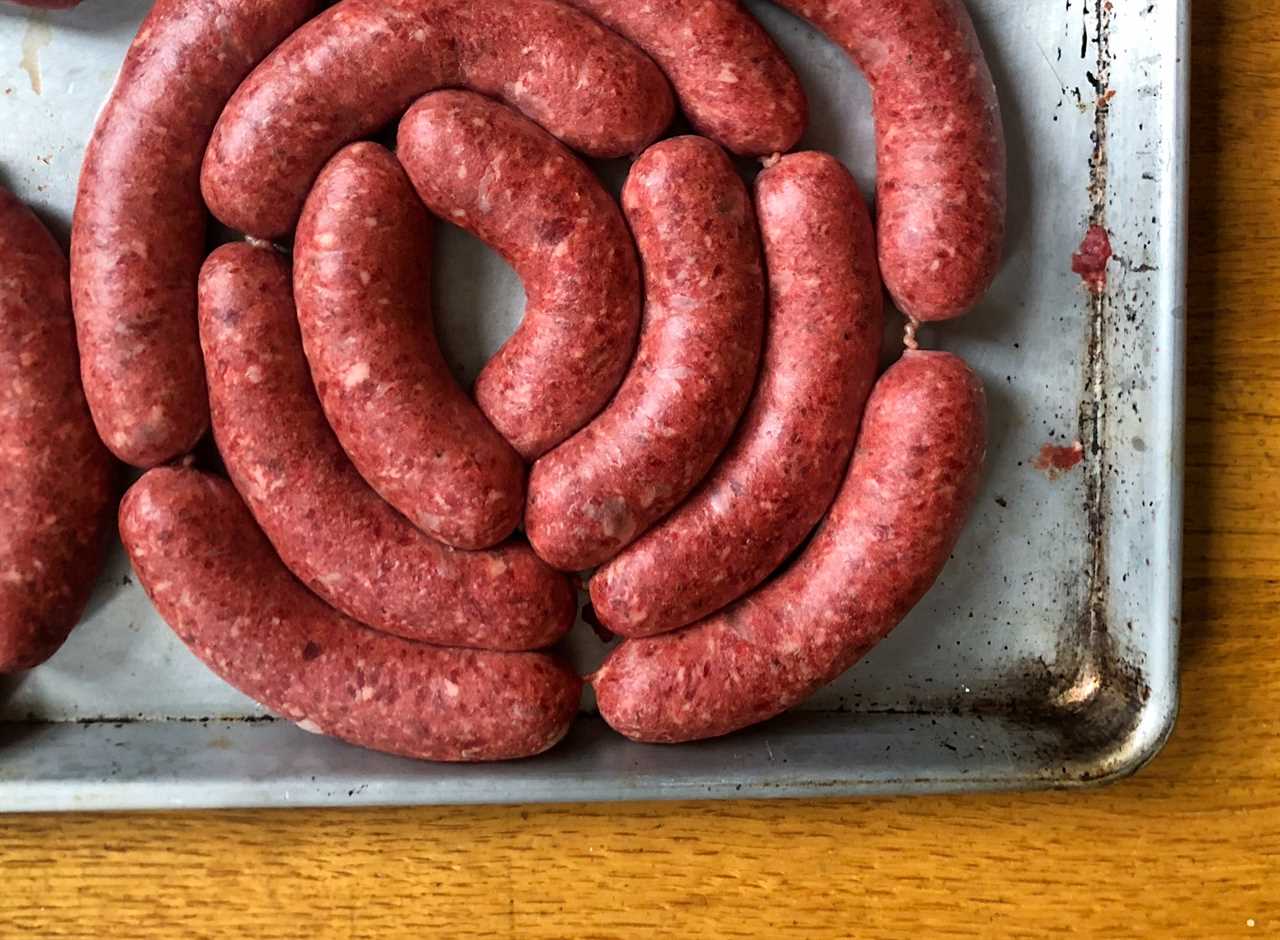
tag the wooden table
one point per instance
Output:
(1190, 847)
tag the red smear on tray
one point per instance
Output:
(1055, 459)
(1090, 262)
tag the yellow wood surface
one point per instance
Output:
(1190, 847)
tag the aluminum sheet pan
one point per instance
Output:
(1046, 654)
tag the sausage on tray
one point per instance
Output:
(57, 481)
(215, 580)
(940, 152)
(496, 174)
(896, 519)
(331, 530)
(359, 64)
(362, 263)
(733, 82)
(779, 475)
(693, 372)
(138, 233)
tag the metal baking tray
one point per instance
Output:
(1044, 657)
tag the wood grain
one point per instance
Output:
(1190, 847)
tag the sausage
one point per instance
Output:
(215, 580)
(697, 358)
(362, 283)
(897, 517)
(788, 456)
(138, 232)
(513, 185)
(732, 80)
(359, 64)
(329, 528)
(57, 481)
(940, 151)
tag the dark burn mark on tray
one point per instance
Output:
(120, 721)
(1094, 701)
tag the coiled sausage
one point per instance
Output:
(215, 580)
(896, 519)
(359, 64)
(733, 82)
(940, 152)
(697, 358)
(825, 325)
(501, 177)
(362, 263)
(331, 530)
(138, 232)
(57, 481)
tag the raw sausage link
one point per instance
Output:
(359, 64)
(327, 525)
(362, 280)
(826, 321)
(940, 152)
(895, 521)
(57, 481)
(138, 234)
(697, 358)
(214, 578)
(513, 185)
(733, 82)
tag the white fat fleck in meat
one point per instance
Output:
(727, 76)
(309, 726)
(430, 521)
(784, 202)
(721, 501)
(253, 374)
(331, 579)
(264, 485)
(326, 240)
(357, 374)
(613, 516)
(449, 689)
(655, 172)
